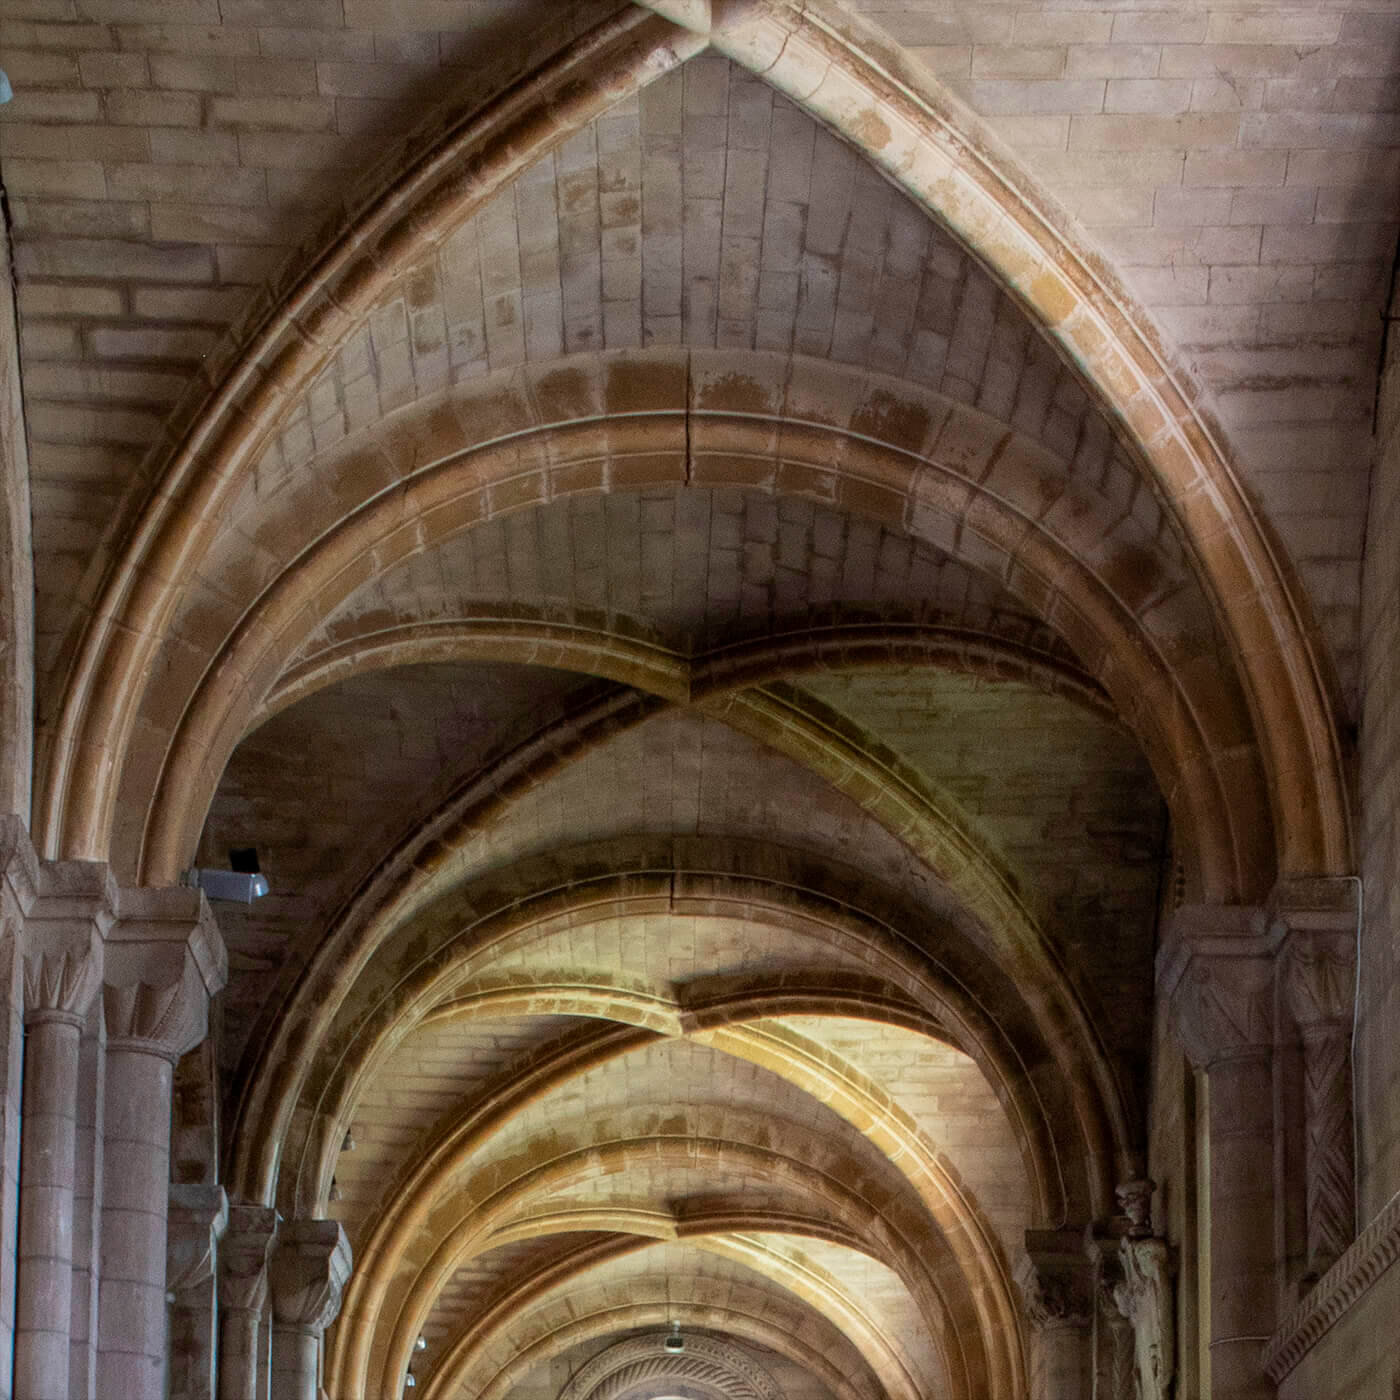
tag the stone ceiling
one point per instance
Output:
(588, 998)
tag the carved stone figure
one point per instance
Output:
(1145, 1299)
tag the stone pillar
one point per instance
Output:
(87, 1210)
(197, 1218)
(19, 886)
(310, 1267)
(164, 961)
(1317, 975)
(1215, 975)
(243, 1299)
(1057, 1287)
(63, 957)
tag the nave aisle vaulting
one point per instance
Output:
(797, 603)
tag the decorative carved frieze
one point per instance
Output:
(1374, 1250)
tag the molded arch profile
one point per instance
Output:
(374, 1346)
(635, 1363)
(416, 1195)
(938, 152)
(962, 482)
(300, 1034)
(734, 1321)
(527, 639)
(293, 1116)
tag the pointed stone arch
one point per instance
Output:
(933, 148)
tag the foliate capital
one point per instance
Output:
(164, 960)
(63, 940)
(1215, 973)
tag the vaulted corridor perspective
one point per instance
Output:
(699, 700)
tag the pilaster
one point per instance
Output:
(1215, 974)
(1316, 927)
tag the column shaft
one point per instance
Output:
(45, 1307)
(1242, 1281)
(296, 1360)
(87, 1212)
(11, 1096)
(239, 1337)
(136, 1174)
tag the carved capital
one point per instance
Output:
(243, 1257)
(309, 1268)
(165, 959)
(1215, 972)
(197, 1218)
(63, 940)
(1056, 1279)
(1315, 923)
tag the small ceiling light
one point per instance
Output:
(408, 1382)
(335, 1192)
(421, 1344)
(675, 1342)
(349, 1144)
(6, 91)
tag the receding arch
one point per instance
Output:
(883, 784)
(1077, 1174)
(934, 149)
(897, 1235)
(1179, 702)
(889, 1128)
(747, 1379)
(727, 1320)
(826, 1297)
